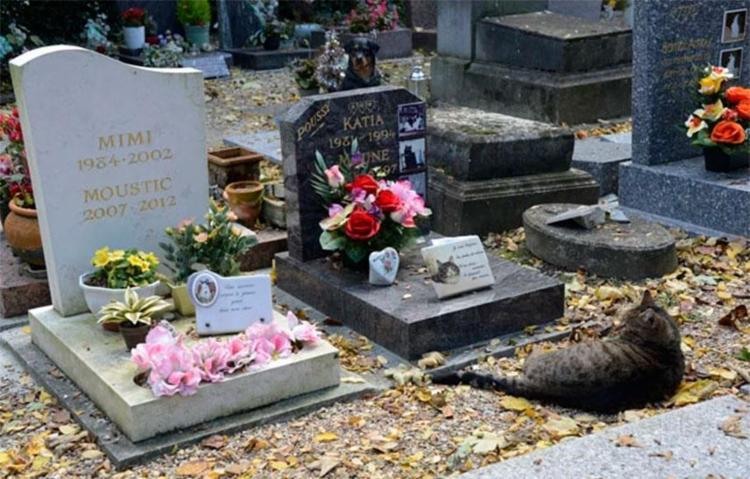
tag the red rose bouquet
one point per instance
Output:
(365, 214)
(134, 17)
(724, 117)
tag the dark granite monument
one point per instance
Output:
(667, 177)
(328, 124)
(515, 58)
(407, 317)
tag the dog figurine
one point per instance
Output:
(361, 72)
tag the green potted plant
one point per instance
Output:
(214, 245)
(134, 316)
(271, 35)
(195, 16)
(304, 76)
(116, 271)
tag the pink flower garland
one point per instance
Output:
(175, 368)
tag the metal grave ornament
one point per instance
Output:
(229, 305)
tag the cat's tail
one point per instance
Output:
(510, 385)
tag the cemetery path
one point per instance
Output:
(423, 431)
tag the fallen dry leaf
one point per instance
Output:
(193, 468)
(626, 440)
(732, 426)
(737, 314)
(326, 437)
(515, 403)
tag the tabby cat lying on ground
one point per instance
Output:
(641, 363)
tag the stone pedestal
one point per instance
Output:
(408, 318)
(270, 242)
(488, 168)
(601, 158)
(634, 250)
(685, 192)
(18, 292)
(99, 364)
(481, 207)
(260, 59)
(541, 65)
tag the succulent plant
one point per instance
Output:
(134, 310)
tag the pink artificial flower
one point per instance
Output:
(211, 358)
(334, 176)
(413, 204)
(334, 209)
(302, 331)
(175, 373)
(262, 349)
(6, 165)
(240, 354)
(281, 340)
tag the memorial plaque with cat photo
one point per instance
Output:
(457, 265)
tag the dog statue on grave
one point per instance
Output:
(361, 72)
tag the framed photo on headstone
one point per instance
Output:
(411, 155)
(412, 120)
(731, 59)
(734, 26)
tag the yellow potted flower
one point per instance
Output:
(114, 272)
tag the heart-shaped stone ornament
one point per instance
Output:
(383, 266)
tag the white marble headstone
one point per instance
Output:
(117, 153)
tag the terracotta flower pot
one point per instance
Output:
(134, 335)
(22, 234)
(245, 198)
(182, 300)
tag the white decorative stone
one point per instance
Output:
(384, 266)
(116, 152)
(229, 305)
(100, 365)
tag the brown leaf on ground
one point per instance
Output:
(732, 426)
(737, 314)
(193, 468)
(626, 440)
(214, 442)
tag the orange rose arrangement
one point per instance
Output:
(723, 121)
(364, 213)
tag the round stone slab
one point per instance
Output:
(633, 250)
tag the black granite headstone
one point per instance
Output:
(389, 125)
(671, 38)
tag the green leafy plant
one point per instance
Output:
(120, 269)
(194, 12)
(304, 74)
(744, 354)
(134, 310)
(271, 28)
(214, 245)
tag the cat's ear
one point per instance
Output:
(647, 299)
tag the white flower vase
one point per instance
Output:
(135, 37)
(97, 297)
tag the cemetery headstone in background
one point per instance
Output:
(117, 154)
(667, 176)
(378, 118)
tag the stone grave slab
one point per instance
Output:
(270, 242)
(267, 143)
(553, 42)
(260, 59)
(634, 250)
(408, 318)
(588, 9)
(99, 364)
(684, 191)
(18, 291)
(494, 205)
(555, 97)
(213, 64)
(118, 175)
(122, 451)
(601, 158)
(692, 436)
(329, 124)
(471, 144)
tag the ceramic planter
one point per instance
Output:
(181, 299)
(717, 160)
(245, 199)
(96, 297)
(134, 335)
(22, 234)
(196, 34)
(134, 37)
(228, 165)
